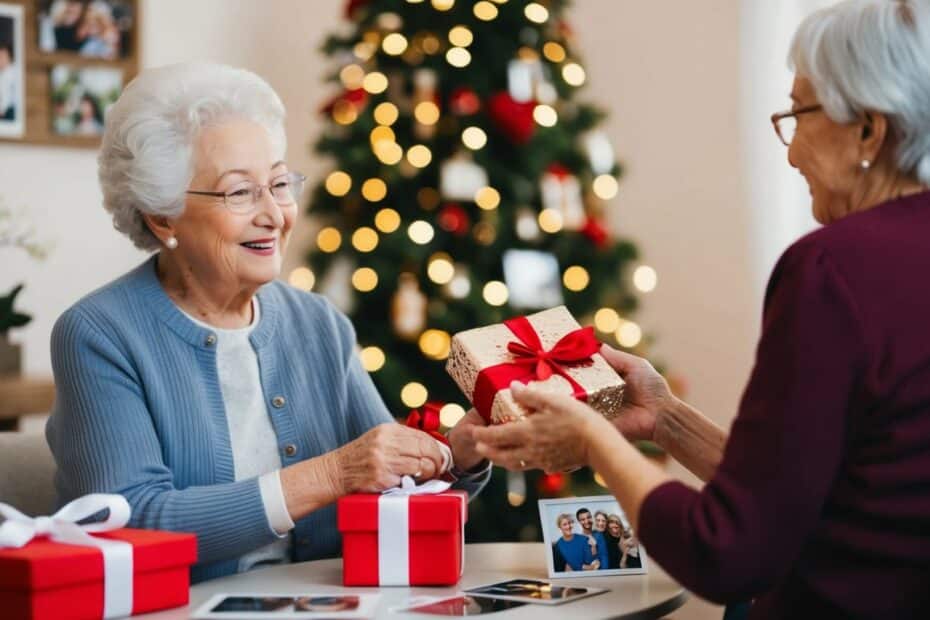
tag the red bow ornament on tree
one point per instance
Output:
(427, 420)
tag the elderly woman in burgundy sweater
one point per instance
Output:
(817, 504)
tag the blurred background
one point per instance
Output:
(704, 191)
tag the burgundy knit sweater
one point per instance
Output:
(821, 505)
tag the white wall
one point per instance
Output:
(669, 74)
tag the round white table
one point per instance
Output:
(630, 596)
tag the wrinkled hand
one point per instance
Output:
(460, 438)
(378, 459)
(645, 396)
(554, 437)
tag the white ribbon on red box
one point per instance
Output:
(394, 529)
(18, 529)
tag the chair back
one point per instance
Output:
(27, 473)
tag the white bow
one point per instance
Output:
(18, 529)
(408, 486)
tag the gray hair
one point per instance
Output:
(146, 158)
(863, 55)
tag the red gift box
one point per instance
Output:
(51, 580)
(433, 542)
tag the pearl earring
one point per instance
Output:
(171, 243)
(865, 164)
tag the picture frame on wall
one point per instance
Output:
(81, 97)
(76, 57)
(12, 71)
(101, 29)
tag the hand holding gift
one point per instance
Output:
(548, 350)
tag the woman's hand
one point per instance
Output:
(460, 438)
(646, 394)
(553, 438)
(378, 459)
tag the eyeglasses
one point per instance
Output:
(786, 123)
(285, 190)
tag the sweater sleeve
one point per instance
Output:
(785, 447)
(104, 441)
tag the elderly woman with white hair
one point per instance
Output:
(215, 398)
(817, 505)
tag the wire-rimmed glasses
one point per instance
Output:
(285, 191)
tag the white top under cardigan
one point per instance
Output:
(254, 443)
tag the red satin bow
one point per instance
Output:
(573, 348)
(533, 362)
(427, 420)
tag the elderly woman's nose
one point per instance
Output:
(270, 210)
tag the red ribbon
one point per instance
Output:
(427, 420)
(531, 362)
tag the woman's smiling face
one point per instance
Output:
(244, 248)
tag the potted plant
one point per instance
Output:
(10, 354)
(14, 233)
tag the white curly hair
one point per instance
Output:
(146, 157)
(873, 55)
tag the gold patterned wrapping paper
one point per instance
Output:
(474, 350)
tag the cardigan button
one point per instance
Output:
(210, 340)
(278, 402)
(290, 449)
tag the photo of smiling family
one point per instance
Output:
(588, 537)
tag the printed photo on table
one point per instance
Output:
(90, 28)
(243, 606)
(533, 591)
(81, 98)
(460, 606)
(589, 537)
(12, 71)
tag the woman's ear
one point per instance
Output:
(873, 135)
(160, 226)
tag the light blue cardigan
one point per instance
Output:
(139, 412)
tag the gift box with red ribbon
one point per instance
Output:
(548, 350)
(112, 573)
(409, 536)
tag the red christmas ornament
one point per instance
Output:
(551, 484)
(558, 170)
(426, 419)
(356, 97)
(454, 219)
(513, 118)
(594, 230)
(464, 102)
(353, 5)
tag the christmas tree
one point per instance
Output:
(469, 186)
